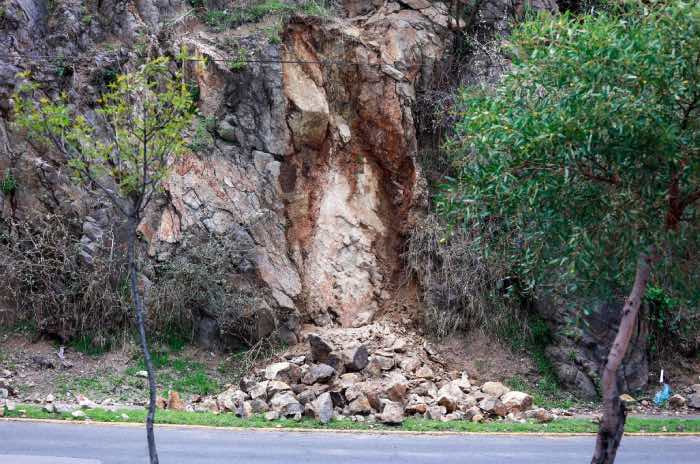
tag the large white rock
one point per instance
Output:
(517, 401)
(495, 389)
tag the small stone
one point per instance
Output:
(10, 405)
(471, 412)
(543, 416)
(417, 408)
(627, 399)
(174, 401)
(142, 374)
(271, 415)
(409, 365)
(417, 4)
(124, 417)
(384, 363)
(453, 416)
(436, 412)
(477, 418)
(78, 414)
(426, 388)
(63, 408)
(677, 401)
(161, 402)
(425, 372)
(226, 131)
(495, 389)
(44, 362)
(49, 398)
(50, 408)
(399, 345)
(6, 373)
(85, 403)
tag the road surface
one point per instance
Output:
(55, 443)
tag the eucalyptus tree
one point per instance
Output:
(124, 150)
(582, 166)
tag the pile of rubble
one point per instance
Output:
(367, 376)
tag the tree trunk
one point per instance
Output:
(614, 414)
(140, 325)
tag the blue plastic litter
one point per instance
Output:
(662, 395)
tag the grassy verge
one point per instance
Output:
(648, 425)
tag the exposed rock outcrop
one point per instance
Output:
(311, 172)
(312, 168)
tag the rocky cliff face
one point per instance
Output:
(305, 158)
(312, 168)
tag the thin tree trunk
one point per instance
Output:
(138, 303)
(614, 413)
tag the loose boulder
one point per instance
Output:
(360, 406)
(355, 358)
(323, 408)
(436, 412)
(229, 399)
(174, 401)
(495, 389)
(284, 372)
(451, 396)
(516, 401)
(318, 373)
(392, 413)
(259, 390)
(493, 406)
(320, 349)
(677, 401)
(694, 401)
(286, 405)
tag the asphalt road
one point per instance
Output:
(50, 443)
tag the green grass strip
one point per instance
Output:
(643, 425)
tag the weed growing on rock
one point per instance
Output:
(8, 186)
